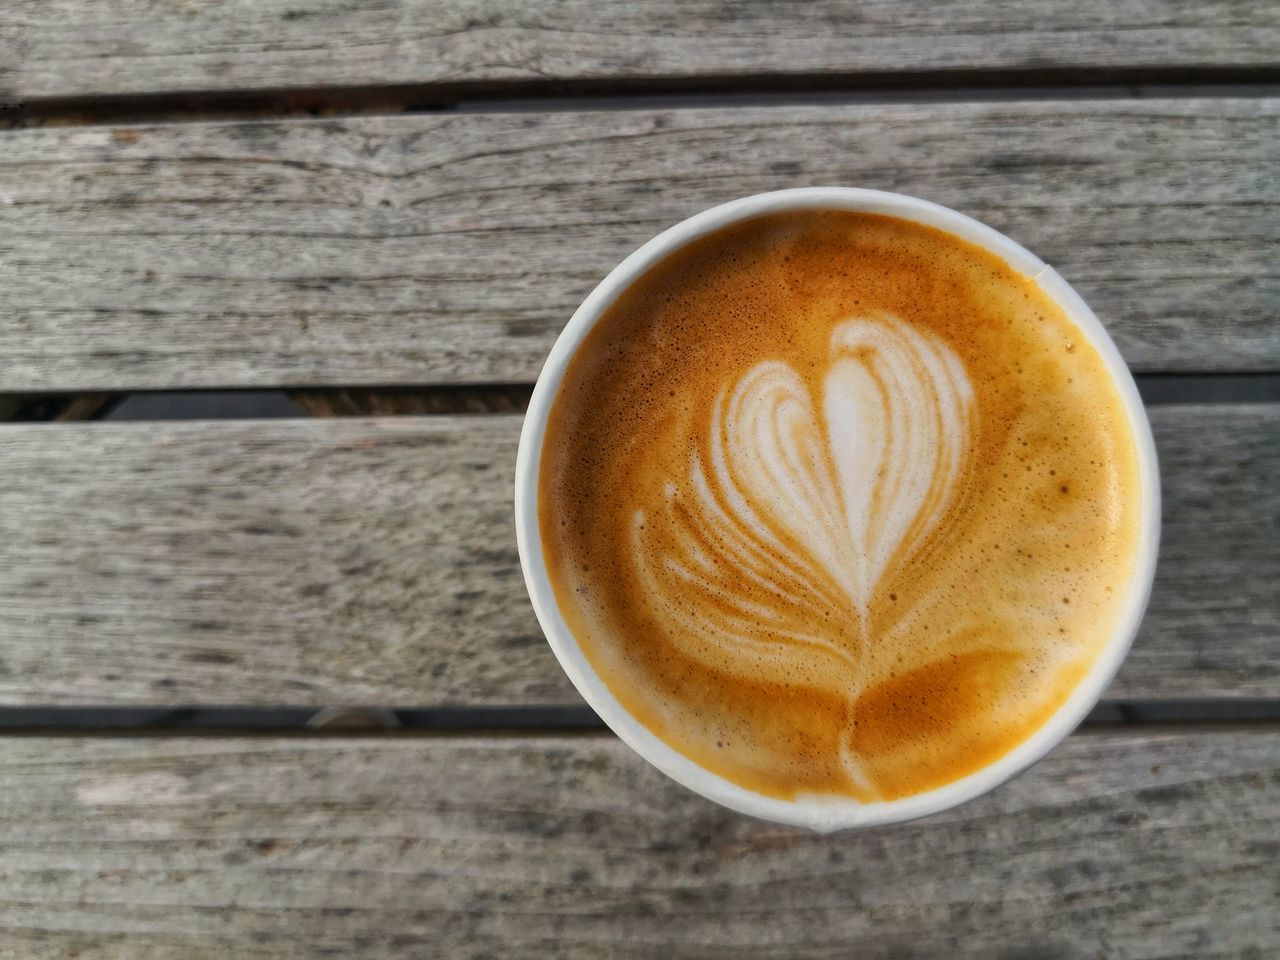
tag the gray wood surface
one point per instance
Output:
(374, 561)
(452, 248)
(1117, 845)
(120, 46)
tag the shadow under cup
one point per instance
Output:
(834, 812)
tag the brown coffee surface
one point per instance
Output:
(837, 503)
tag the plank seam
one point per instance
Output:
(588, 94)
(523, 720)
(480, 399)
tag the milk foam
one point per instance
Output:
(837, 503)
(804, 507)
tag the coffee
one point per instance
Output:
(837, 503)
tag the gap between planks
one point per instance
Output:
(587, 95)
(1157, 389)
(1204, 715)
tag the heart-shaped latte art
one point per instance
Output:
(798, 511)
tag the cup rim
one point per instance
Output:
(823, 813)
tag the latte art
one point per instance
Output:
(800, 509)
(838, 504)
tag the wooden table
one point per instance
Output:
(389, 210)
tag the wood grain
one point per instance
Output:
(79, 47)
(1119, 845)
(452, 248)
(374, 561)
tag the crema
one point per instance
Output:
(837, 503)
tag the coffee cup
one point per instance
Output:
(820, 811)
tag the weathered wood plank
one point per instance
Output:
(373, 561)
(452, 248)
(80, 47)
(1139, 845)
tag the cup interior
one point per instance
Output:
(823, 813)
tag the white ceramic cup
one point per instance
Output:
(822, 813)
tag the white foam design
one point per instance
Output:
(797, 511)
